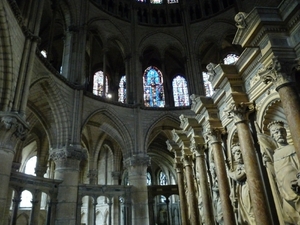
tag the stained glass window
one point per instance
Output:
(149, 181)
(207, 85)
(153, 88)
(156, 1)
(162, 178)
(122, 90)
(230, 59)
(98, 87)
(172, 1)
(180, 91)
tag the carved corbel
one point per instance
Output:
(279, 72)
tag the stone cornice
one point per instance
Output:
(29, 182)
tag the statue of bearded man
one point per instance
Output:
(285, 169)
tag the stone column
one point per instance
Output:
(15, 207)
(12, 128)
(214, 137)
(35, 210)
(183, 203)
(67, 169)
(205, 192)
(116, 205)
(239, 112)
(279, 73)
(137, 168)
(192, 198)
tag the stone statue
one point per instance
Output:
(216, 196)
(240, 195)
(282, 163)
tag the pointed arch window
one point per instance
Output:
(230, 59)
(180, 91)
(162, 178)
(207, 85)
(149, 180)
(122, 90)
(99, 86)
(153, 88)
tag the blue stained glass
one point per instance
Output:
(153, 88)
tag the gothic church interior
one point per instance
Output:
(149, 112)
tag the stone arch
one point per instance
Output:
(271, 110)
(112, 126)
(50, 109)
(160, 125)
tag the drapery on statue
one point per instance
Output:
(218, 212)
(240, 195)
(282, 165)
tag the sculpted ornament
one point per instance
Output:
(217, 205)
(239, 112)
(213, 135)
(240, 195)
(14, 125)
(71, 152)
(282, 165)
(279, 72)
(240, 20)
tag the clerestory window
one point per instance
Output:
(100, 88)
(122, 90)
(180, 91)
(153, 88)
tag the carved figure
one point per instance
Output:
(216, 196)
(282, 163)
(240, 195)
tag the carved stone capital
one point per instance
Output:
(116, 174)
(178, 167)
(93, 174)
(187, 160)
(197, 149)
(137, 160)
(279, 72)
(213, 135)
(12, 128)
(239, 112)
(71, 152)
